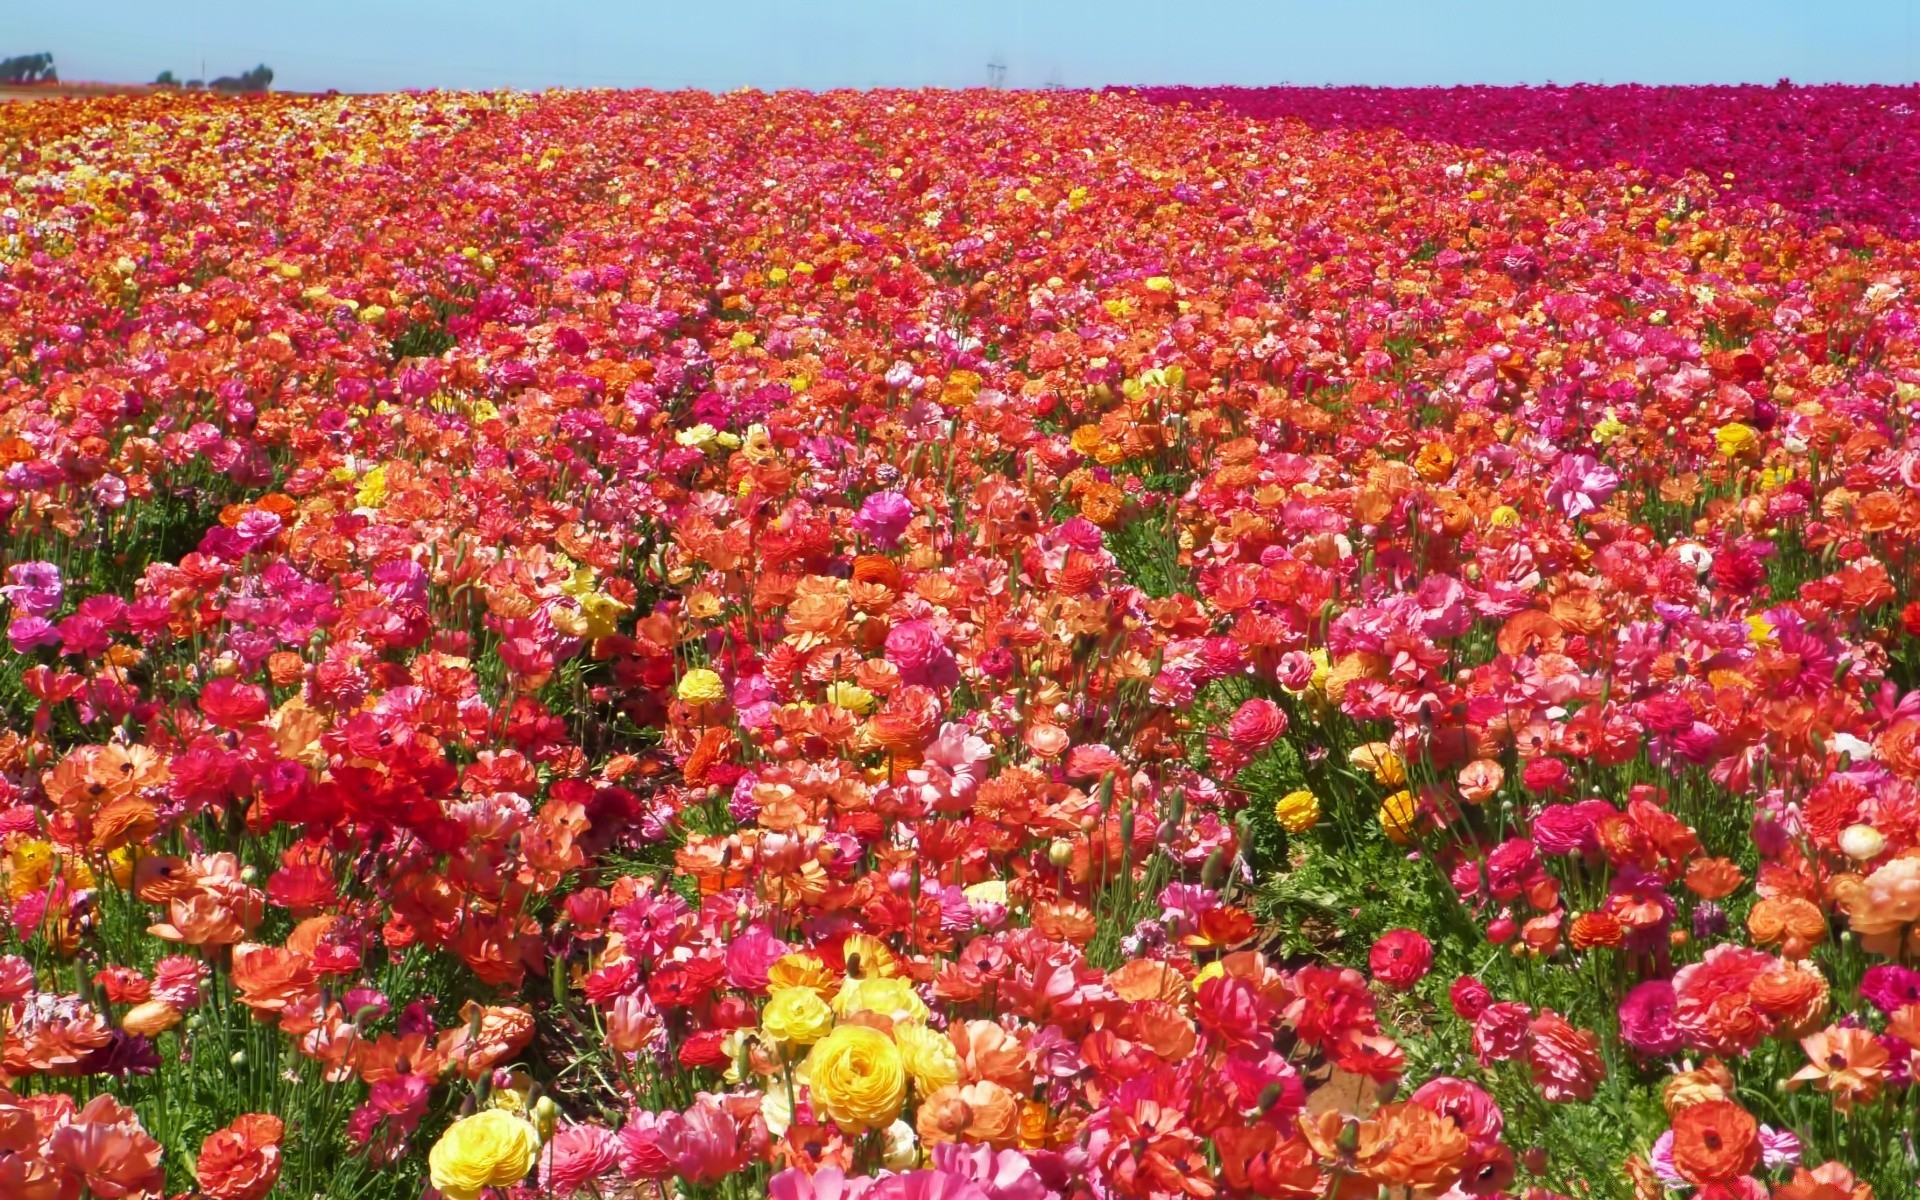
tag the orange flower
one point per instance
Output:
(1713, 878)
(1884, 907)
(974, 1112)
(125, 821)
(1793, 995)
(242, 1161)
(1846, 1063)
(486, 1038)
(1423, 1150)
(987, 1051)
(1794, 923)
(270, 979)
(1828, 1181)
(1716, 1141)
(1596, 929)
(1709, 1081)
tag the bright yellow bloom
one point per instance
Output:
(1387, 767)
(868, 955)
(857, 1078)
(851, 696)
(372, 492)
(1297, 811)
(928, 1056)
(802, 970)
(797, 1015)
(892, 997)
(1608, 429)
(1735, 439)
(701, 686)
(493, 1148)
(1398, 814)
(1504, 517)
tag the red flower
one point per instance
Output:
(1400, 958)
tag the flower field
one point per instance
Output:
(959, 646)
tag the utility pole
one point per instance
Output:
(996, 73)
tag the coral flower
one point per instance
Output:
(242, 1161)
(1715, 1142)
(1848, 1064)
(106, 1147)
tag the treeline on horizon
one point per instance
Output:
(39, 68)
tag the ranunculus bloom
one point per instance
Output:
(106, 1146)
(1715, 1142)
(1400, 958)
(1646, 1019)
(857, 1078)
(491, 1148)
(575, 1156)
(242, 1161)
(1566, 1061)
(1256, 724)
(1469, 998)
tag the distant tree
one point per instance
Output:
(28, 68)
(257, 80)
(166, 79)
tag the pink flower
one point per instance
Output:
(928, 1185)
(1581, 484)
(642, 1154)
(1566, 1061)
(1256, 724)
(751, 955)
(1646, 1019)
(921, 655)
(177, 979)
(828, 1183)
(1500, 1032)
(884, 517)
(1467, 1104)
(16, 978)
(952, 770)
(1003, 1174)
(1469, 997)
(577, 1155)
(1400, 958)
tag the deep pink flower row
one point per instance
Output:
(1828, 153)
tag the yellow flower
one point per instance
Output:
(797, 1015)
(1086, 439)
(990, 891)
(928, 1056)
(1759, 629)
(801, 970)
(602, 612)
(372, 492)
(701, 435)
(892, 997)
(493, 1148)
(868, 955)
(1504, 517)
(1212, 970)
(1735, 439)
(1379, 758)
(1297, 811)
(856, 1077)
(1397, 815)
(1609, 428)
(701, 686)
(850, 696)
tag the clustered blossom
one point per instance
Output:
(848, 615)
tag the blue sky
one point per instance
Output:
(385, 44)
